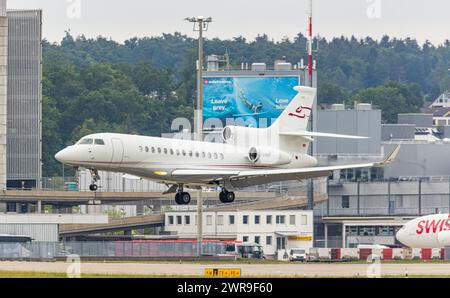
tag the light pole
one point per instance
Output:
(200, 24)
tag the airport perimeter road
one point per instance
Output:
(253, 270)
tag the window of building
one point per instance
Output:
(292, 220)
(257, 219)
(231, 219)
(99, 142)
(280, 219)
(209, 220)
(220, 220)
(304, 220)
(345, 202)
(244, 238)
(170, 220)
(179, 220)
(245, 219)
(257, 239)
(187, 220)
(268, 240)
(269, 219)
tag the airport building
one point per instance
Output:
(275, 231)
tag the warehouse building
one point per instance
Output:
(275, 231)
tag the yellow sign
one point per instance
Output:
(300, 238)
(222, 272)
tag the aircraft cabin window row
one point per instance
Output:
(197, 154)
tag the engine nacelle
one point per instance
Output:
(444, 238)
(265, 156)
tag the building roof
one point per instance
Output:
(441, 112)
(442, 101)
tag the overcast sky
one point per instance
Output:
(120, 20)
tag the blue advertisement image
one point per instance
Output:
(255, 100)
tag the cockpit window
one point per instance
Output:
(99, 142)
(86, 142)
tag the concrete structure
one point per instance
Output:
(397, 132)
(418, 119)
(44, 228)
(24, 153)
(361, 122)
(274, 230)
(3, 92)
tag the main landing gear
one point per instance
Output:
(226, 196)
(95, 178)
(182, 197)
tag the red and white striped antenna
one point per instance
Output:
(310, 40)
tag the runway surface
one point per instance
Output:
(253, 270)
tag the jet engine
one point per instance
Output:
(266, 156)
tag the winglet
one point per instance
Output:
(388, 160)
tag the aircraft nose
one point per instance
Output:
(62, 155)
(401, 235)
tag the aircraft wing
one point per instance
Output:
(320, 134)
(263, 176)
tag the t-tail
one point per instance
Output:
(292, 125)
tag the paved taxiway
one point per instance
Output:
(255, 270)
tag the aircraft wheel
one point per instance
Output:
(185, 198)
(177, 199)
(231, 197)
(93, 187)
(227, 197)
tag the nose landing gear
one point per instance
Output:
(95, 178)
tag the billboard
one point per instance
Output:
(253, 100)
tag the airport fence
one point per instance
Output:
(109, 249)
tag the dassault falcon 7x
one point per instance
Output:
(247, 157)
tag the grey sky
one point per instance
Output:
(120, 20)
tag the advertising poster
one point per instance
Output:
(253, 100)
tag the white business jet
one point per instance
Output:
(249, 156)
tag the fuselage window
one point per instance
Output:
(178, 152)
(221, 156)
(86, 142)
(171, 151)
(209, 155)
(203, 155)
(140, 148)
(153, 150)
(99, 142)
(190, 153)
(197, 154)
(184, 153)
(159, 150)
(165, 150)
(215, 156)
(146, 149)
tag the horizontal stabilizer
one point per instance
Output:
(320, 134)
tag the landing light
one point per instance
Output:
(160, 173)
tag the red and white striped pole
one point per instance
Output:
(310, 41)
